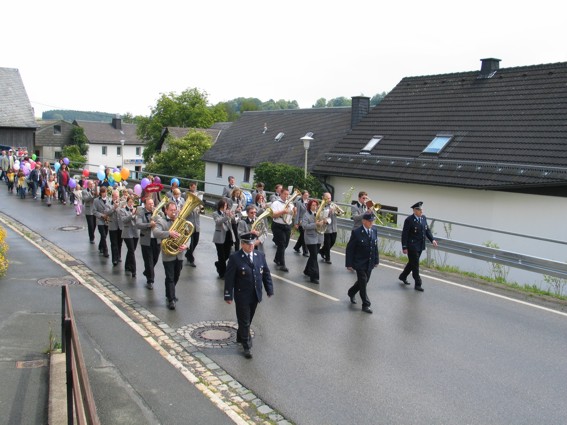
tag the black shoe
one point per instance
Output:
(192, 265)
(238, 339)
(418, 288)
(144, 273)
(283, 268)
(247, 353)
(91, 242)
(296, 250)
(106, 255)
(277, 263)
(305, 254)
(312, 280)
(120, 260)
(115, 263)
(150, 285)
(127, 268)
(171, 305)
(367, 310)
(328, 261)
(403, 280)
(352, 299)
(133, 274)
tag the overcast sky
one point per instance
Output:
(120, 56)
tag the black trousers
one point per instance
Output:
(412, 266)
(172, 273)
(328, 243)
(300, 241)
(150, 254)
(116, 244)
(362, 278)
(223, 252)
(91, 226)
(192, 245)
(103, 232)
(236, 238)
(131, 244)
(245, 310)
(312, 266)
(282, 233)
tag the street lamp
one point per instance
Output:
(306, 142)
(122, 152)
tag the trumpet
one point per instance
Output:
(338, 210)
(375, 208)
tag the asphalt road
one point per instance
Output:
(449, 355)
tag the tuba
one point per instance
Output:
(320, 216)
(375, 208)
(288, 218)
(260, 225)
(170, 246)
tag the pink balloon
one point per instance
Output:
(138, 190)
(26, 171)
(157, 180)
(85, 184)
(144, 182)
(32, 164)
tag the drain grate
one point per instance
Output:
(221, 334)
(30, 364)
(58, 281)
(70, 228)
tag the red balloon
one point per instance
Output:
(86, 173)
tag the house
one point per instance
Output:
(487, 148)
(180, 132)
(275, 136)
(17, 121)
(51, 137)
(113, 145)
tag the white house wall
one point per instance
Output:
(95, 158)
(215, 184)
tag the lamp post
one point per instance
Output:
(306, 142)
(122, 152)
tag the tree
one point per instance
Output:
(73, 154)
(189, 109)
(377, 98)
(287, 175)
(79, 140)
(321, 103)
(182, 158)
(339, 101)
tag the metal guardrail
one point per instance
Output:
(80, 400)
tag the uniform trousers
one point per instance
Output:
(91, 226)
(116, 244)
(300, 241)
(282, 233)
(131, 244)
(172, 273)
(412, 266)
(192, 245)
(150, 254)
(312, 267)
(245, 309)
(328, 243)
(362, 278)
(223, 252)
(103, 231)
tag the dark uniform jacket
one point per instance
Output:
(414, 233)
(362, 250)
(243, 281)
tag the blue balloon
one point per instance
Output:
(57, 166)
(100, 175)
(174, 180)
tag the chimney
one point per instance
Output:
(117, 122)
(489, 67)
(360, 108)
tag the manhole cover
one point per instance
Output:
(211, 334)
(70, 228)
(58, 281)
(30, 364)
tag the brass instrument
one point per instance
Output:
(338, 210)
(320, 216)
(260, 225)
(170, 246)
(375, 208)
(158, 207)
(288, 218)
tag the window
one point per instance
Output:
(138, 151)
(57, 130)
(118, 150)
(219, 170)
(58, 155)
(370, 145)
(104, 150)
(246, 174)
(279, 136)
(437, 144)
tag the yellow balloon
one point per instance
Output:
(125, 173)
(117, 177)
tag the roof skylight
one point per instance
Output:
(370, 145)
(437, 144)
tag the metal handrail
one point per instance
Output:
(80, 400)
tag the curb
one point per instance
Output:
(57, 400)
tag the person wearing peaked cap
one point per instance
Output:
(414, 233)
(246, 273)
(362, 257)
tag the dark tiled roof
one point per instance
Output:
(179, 132)
(15, 107)
(105, 133)
(510, 131)
(246, 143)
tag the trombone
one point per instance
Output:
(375, 208)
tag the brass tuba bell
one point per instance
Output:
(170, 246)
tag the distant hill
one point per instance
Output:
(70, 116)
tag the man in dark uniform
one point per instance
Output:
(362, 257)
(413, 243)
(246, 272)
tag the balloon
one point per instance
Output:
(66, 161)
(101, 167)
(174, 180)
(125, 183)
(157, 180)
(100, 175)
(32, 164)
(125, 173)
(26, 171)
(16, 162)
(85, 184)
(110, 180)
(144, 182)
(16, 166)
(86, 173)
(72, 183)
(57, 166)
(138, 190)
(34, 157)
(27, 166)
(117, 176)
